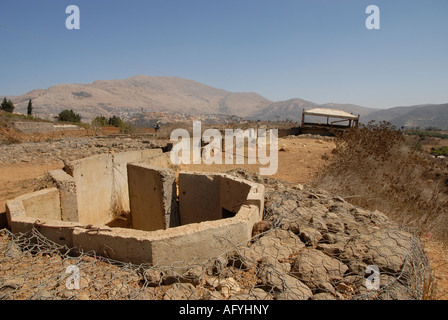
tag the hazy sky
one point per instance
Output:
(315, 50)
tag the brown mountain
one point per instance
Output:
(173, 95)
(423, 116)
(125, 97)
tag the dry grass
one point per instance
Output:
(375, 167)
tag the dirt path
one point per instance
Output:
(299, 159)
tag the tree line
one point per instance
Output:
(70, 116)
(8, 106)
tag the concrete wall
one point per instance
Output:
(44, 204)
(152, 193)
(233, 192)
(194, 243)
(59, 232)
(67, 192)
(155, 157)
(94, 184)
(94, 188)
(198, 242)
(218, 193)
(199, 198)
(120, 191)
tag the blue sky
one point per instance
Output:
(312, 49)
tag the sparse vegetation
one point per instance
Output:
(15, 116)
(114, 121)
(443, 151)
(426, 133)
(375, 168)
(82, 94)
(100, 121)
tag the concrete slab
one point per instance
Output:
(120, 197)
(94, 185)
(41, 204)
(152, 193)
(67, 192)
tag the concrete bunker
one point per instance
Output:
(189, 217)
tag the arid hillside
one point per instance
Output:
(128, 96)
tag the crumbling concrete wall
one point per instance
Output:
(67, 191)
(152, 192)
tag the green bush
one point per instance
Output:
(7, 106)
(69, 116)
(115, 122)
(127, 128)
(443, 151)
(426, 133)
(100, 121)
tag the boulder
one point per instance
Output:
(386, 248)
(316, 269)
(181, 291)
(261, 227)
(274, 278)
(309, 235)
(278, 243)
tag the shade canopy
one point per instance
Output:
(332, 113)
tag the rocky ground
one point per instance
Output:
(311, 244)
(72, 148)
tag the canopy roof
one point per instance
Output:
(332, 113)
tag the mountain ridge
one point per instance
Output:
(177, 95)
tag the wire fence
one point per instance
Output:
(276, 265)
(309, 245)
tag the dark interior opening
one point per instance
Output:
(227, 213)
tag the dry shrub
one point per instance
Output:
(376, 168)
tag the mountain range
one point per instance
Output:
(125, 97)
